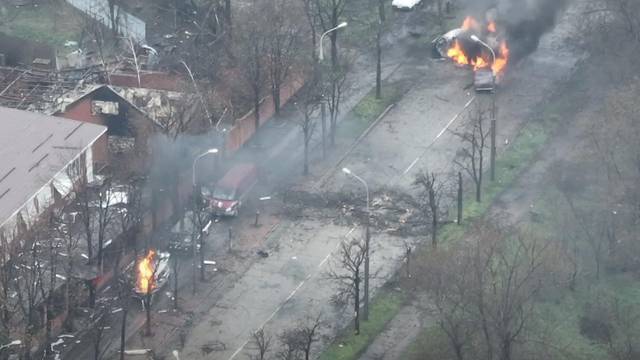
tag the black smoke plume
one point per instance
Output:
(524, 21)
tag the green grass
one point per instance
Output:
(382, 309)
(46, 23)
(369, 108)
(432, 338)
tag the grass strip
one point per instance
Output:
(383, 308)
(369, 108)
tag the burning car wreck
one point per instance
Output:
(151, 271)
(482, 47)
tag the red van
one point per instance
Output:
(227, 195)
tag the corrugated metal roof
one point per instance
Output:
(33, 149)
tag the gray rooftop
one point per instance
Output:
(33, 149)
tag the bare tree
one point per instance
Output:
(283, 44)
(447, 278)
(474, 141)
(623, 342)
(200, 222)
(7, 276)
(290, 341)
(328, 13)
(298, 342)
(308, 333)
(311, 16)
(99, 322)
(52, 248)
(262, 343)
(251, 47)
(431, 191)
(347, 273)
(308, 100)
(28, 283)
(96, 215)
(508, 269)
(335, 83)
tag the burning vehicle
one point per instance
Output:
(481, 47)
(152, 272)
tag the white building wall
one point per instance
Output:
(44, 197)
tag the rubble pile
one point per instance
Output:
(392, 210)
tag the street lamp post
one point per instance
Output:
(210, 151)
(321, 53)
(492, 159)
(365, 312)
(196, 191)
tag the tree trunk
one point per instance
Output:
(227, 15)
(202, 274)
(276, 95)
(175, 282)
(492, 160)
(366, 268)
(305, 171)
(323, 114)
(89, 244)
(334, 47)
(479, 182)
(100, 250)
(92, 294)
(123, 331)
(333, 110)
(194, 269)
(434, 217)
(378, 64)
(357, 302)
(148, 312)
(381, 12)
(256, 110)
(459, 198)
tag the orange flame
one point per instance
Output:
(146, 282)
(501, 59)
(469, 23)
(479, 64)
(457, 54)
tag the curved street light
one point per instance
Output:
(210, 151)
(493, 54)
(341, 25)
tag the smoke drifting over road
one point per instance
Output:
(525, 21)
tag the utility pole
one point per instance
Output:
(323, 112)
(459, 197)
(493, 136)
